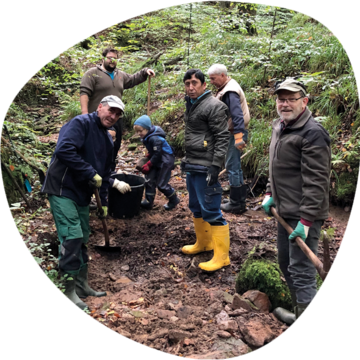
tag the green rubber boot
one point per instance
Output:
(71, 293)
(82, 287)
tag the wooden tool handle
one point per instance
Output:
(306, 250)
(149, 90)
(98, 202)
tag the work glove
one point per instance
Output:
(267, 204)
(212, 175)
(96, 181)
(121, 186)
(102, 214)
(301, 230)
(146, 168)
(239, 142)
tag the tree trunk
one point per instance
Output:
(224, 4)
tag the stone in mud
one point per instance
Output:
(223, 334)
(178, 335)
(259, 299)
(230, 325)
(257, 333)
(184, 312)
(221, 317)
(165, 314)
(240, 302)
(158, 334)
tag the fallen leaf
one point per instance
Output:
(12, 167)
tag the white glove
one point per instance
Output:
(266, 199)
(121, 186)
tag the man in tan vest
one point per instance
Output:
(230, 92)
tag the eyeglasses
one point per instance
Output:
(289, 101)
(111, 58)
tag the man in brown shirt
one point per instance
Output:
(105, 79)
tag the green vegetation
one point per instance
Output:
(265, 276)
(258, 43)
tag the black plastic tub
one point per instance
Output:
(126, 205)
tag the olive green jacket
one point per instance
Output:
(299, 169)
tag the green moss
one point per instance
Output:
(265, 276)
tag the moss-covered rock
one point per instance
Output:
(265, 276)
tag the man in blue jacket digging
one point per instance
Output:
(82, 160)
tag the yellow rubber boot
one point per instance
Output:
(203, 238)
(221, 241)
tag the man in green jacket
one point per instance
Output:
(299, 172)
(206, 142)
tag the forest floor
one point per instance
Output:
(158, 296)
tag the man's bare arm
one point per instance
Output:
(84, 101)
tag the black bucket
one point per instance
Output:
(126, 205)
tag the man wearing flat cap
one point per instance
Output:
(81, 161)
(298, 187)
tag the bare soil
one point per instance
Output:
(159, 297)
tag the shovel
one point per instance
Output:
(107, 246)
(306, 250)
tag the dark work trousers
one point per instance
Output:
(299, 272)
(204, 200)
(158, 178)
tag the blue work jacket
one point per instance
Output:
(84, 148)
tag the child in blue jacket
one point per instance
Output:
(161, 161)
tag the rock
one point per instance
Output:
(221, 317)
(188, 342)
(259, 299)
(178, 335)
(347, 208)
(240, 302)
(215, 307)
(257, 333)
(230, 325)
(145, 321)
(165, 314)
(227, 308)
(160, 292)
(158, 334)
(184, 312)
(112, 277)
(174, 319)
(223, 349)
(223, 334)
(228, 298)
(123, 332)
(123, 280)
(137, 314)
(210, 355)
(187, 326)
(237, 312)
(125, 268)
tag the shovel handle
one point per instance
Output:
(306, 250)
(148, 99)
(98, 202)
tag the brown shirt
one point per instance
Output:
(97, 84)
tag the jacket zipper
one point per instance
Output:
(48, 171)
(62, 180)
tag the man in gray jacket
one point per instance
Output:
(299, 173)
(206, 141)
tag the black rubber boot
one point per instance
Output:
(148, 202)
(82, 286)
(173, 201)
(71, 293)
(237, 203)
(299, 309)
